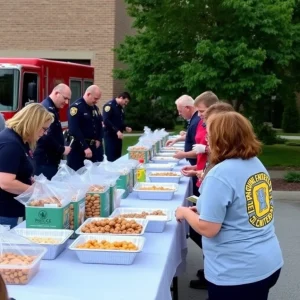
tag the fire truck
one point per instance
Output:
(27, 80)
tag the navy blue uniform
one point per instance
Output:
(85, 126)
(114, 121)
(190, 136)
(15, 158)
(51, 146)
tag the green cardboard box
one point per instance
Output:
(48, 217)
(123, 183)
(77, 213)
(97, 204)
(113, 196)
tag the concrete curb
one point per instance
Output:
(286, 195)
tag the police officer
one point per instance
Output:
(51, 146)
(85, 127)
(114, 125)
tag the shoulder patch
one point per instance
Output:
(107, 108)
(73, 111)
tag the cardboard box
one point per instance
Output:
(48, 217)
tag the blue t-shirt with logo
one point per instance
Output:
(238, 194)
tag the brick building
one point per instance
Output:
(77, 31)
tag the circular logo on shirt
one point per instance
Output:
(73, 111)
(107, 108)
(258, 194)
(43, 214)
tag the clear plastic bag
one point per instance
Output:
(44, 193)
(19, 257)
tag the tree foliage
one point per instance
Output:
(243, 50)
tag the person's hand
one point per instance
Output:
(199, 148)
(170, 143)
(98, 143)
(128, 129)
(120, 135)
(182, 133)
(200, 174)
(67, 150)
(189, 173)
(88, 153)
(179, 155)
(179, 213)
(186, 168)
(194, 209)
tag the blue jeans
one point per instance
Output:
(12, 221)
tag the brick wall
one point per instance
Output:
(75, 27)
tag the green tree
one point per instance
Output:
(241, 49)
(290, 118)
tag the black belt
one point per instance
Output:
(90, 142)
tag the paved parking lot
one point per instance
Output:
(287, 220)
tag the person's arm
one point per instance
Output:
(74, 127)
(100, 126)
(212, 207)
(9, 183)
(108, 119)
(10, 164)
(50, 140)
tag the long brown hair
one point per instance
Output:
(3, 290)
(231, 135)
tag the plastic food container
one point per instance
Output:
(19, 274)
(156, 223)
(166, 154)
(157, 192)
(165, 159)
(161, 176)
(142, 222)
(103, 256)
(171, 149)
(157, 166)
(53, 250)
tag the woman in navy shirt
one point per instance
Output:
(16, 142)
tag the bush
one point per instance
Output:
(267, 135)
(292, 177)
(290, 118)
(294, 144)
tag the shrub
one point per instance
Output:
(267, 135)
(290, 118)
(292, 177)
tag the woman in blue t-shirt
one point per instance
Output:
(235, 214)
(16, 170)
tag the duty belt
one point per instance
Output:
(90, 142)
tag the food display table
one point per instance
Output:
(148, 278)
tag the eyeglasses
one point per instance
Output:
(45, 129)
(65, 98)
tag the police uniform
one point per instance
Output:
(86, 128)
(51, 146)
(15, 158)
(113, 117)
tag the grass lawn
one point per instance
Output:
(281, 156)
(280, 132)
(129, 141)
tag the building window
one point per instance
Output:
(76, 89)
(86, 84)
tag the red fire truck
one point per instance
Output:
(26, 80)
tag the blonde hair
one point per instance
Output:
(208, 98)
(29, 120)
(231, 135)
